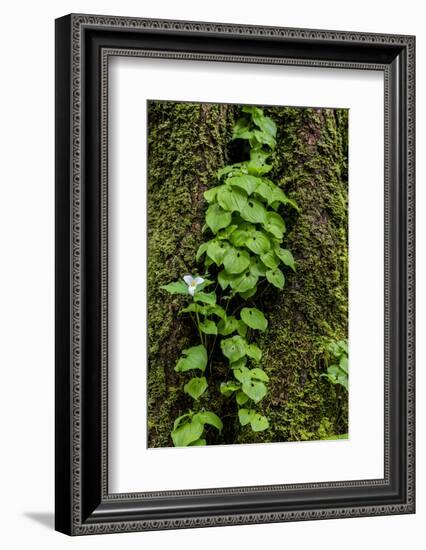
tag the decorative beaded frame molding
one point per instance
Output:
(84, 44)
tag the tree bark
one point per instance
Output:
(188, 143)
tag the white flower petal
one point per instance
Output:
(198, 280)
(188, 279)
(191, 290)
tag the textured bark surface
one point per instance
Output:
(187, 144)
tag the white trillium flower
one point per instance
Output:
(192, 283)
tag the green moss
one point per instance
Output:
(187, 144)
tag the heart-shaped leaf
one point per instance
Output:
(195, 358)
(208, 327)
(244, 282)
(241, 398)
(231, 198)
(228, 326)
(259, 374)
(257, 267)
(254, 352)
(217, 218)
(210, 194)
(236, 260)
(234, 348)
(259, 423)
(254, 211)
(254, 318)
(255, 390)
(198, 443)
(196, 387)
(258, 243)
(247, 183)
(228, 388)
(245, 416)
(274, 224)
(207, 417)
(187, 433)
(269, 259)
(216, 250)
(286, 257)
(276, 278)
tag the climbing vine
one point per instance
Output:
(242, 254)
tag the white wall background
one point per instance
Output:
(26, 289)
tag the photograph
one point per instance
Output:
(247, 229)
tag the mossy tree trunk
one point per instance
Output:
(187, 144)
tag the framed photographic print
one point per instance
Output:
(234, 274)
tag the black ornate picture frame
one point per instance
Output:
(84, 43)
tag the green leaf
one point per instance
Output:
(228, 388)
(198, 443)
(247, 183)
(259, 423)
(234, 348)
(180, 418)
(241, 398)
(216, 310)
(285, 256)
(242, 374)
(224, 234)
(240, 128)
(232, 170)
(208, 327)
(187, 433)
(201, 250)
(259, 374)
(270, 260)
(342, 436)
(236, 260)
(205, 297)
(276, 278)
(274, 224)
(225, 279)
(206, 417)
(196, 387)
(258, 137)
(239, 237)
(238, 364)
(231, 198)
(195, 358)
(254, 211)
(244, 282)
(228, 326)
(258, 243)
(344, 364)
(249, 293)
(244, 416)
(343, 345)
(210, 194)
(252, 110)
(254, 318)
(257, 267)
(202, 286)
(342, 379)
(254, 352)
(265, 123)
(255, 390)
(217, 218)
(179, 287)
(257, 164)
(265, 191)
(216, 250)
